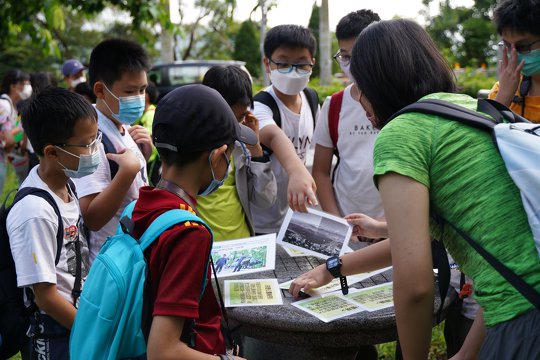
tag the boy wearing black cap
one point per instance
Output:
(194, 131)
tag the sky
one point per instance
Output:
(299, 11)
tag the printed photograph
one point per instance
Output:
(315, 233)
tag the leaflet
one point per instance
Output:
(373, 298)
(328, 308)
(253, 292)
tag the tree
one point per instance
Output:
(313, 25)
(325, 43)
(246, 47)
(464, 35)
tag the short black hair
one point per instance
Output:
(13, 77)
(84, 89)
(111, 58)
(153, 92)
(51, 115)
(41, 80)
(233, 83)
(289, 36)
(520, 16)
(395, 63)
(352, 24)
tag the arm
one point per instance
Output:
(509, 76)
(406, 204)
(322, 167)
(474, 340)
(49, 300)
(99, 208)
(301, 188)
(370, 258)
(252, 122)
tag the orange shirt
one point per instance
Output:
(532, 105)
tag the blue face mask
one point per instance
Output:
(130, 108)
(88, 164)
(215, 184)
(532, 62)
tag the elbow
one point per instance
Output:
(414, 292)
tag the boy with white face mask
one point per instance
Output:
(349, 189)
(289, 58)
(73, 72)
(117, 73)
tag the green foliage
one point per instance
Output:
(470, 81)
(466, 35)
(313, 25)
(246, 47)
(437, 350)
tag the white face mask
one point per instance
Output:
(88, 164)
(289, 84)
(26, 92)
(77, 81)
(347, 70)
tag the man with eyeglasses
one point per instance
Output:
(289, 58)
(519, 69)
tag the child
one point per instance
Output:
(519, 70)
(351, 189)
(250, 179)
(289, 58)
(194, 131)
(67, 146)
(73, 72)
(117, 73)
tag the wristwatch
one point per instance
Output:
(333, 265)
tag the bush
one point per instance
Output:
(470, 81)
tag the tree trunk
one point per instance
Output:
(264, 11)
(325, 57)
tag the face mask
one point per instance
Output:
(130, 108)
(346, 70)
(532, 62)
(77, 81)
(88, 164)
(215, 184)
(26, 92)
(290, 84)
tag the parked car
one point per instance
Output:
(168, 77)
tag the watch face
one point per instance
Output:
(333, 262)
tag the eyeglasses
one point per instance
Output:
(286, 68)
(92, 147)
(522, 49)
(342, 59)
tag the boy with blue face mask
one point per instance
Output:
(289, 59)
(117, 75)
(194, 131)
(66, 144)
(519, 70)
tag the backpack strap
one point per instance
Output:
(313, 100)
(524, 88)
(109, 149)
(333, 116)
(44, 194)
(265, 98)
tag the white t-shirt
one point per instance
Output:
(32, 226)
(299, 129)
(353, 185)
(99, 180)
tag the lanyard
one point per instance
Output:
(177, 190)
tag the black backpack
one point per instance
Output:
(109, 149)
(14, 315)
(265, 98)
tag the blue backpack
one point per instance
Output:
(108, 324)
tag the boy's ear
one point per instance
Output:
(99, 90)
(50, 151)
(217, 154)
(313, 61)
(266, 64)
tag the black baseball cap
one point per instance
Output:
(195, 118)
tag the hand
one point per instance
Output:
(127, 160)
(311, 280)
(301, 190)
(142, 138)
(509, 76)
(253, 123)
(365, 226)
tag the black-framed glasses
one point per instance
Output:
(342, 59)
(286, 68)
(522, 49)
(92, 147)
